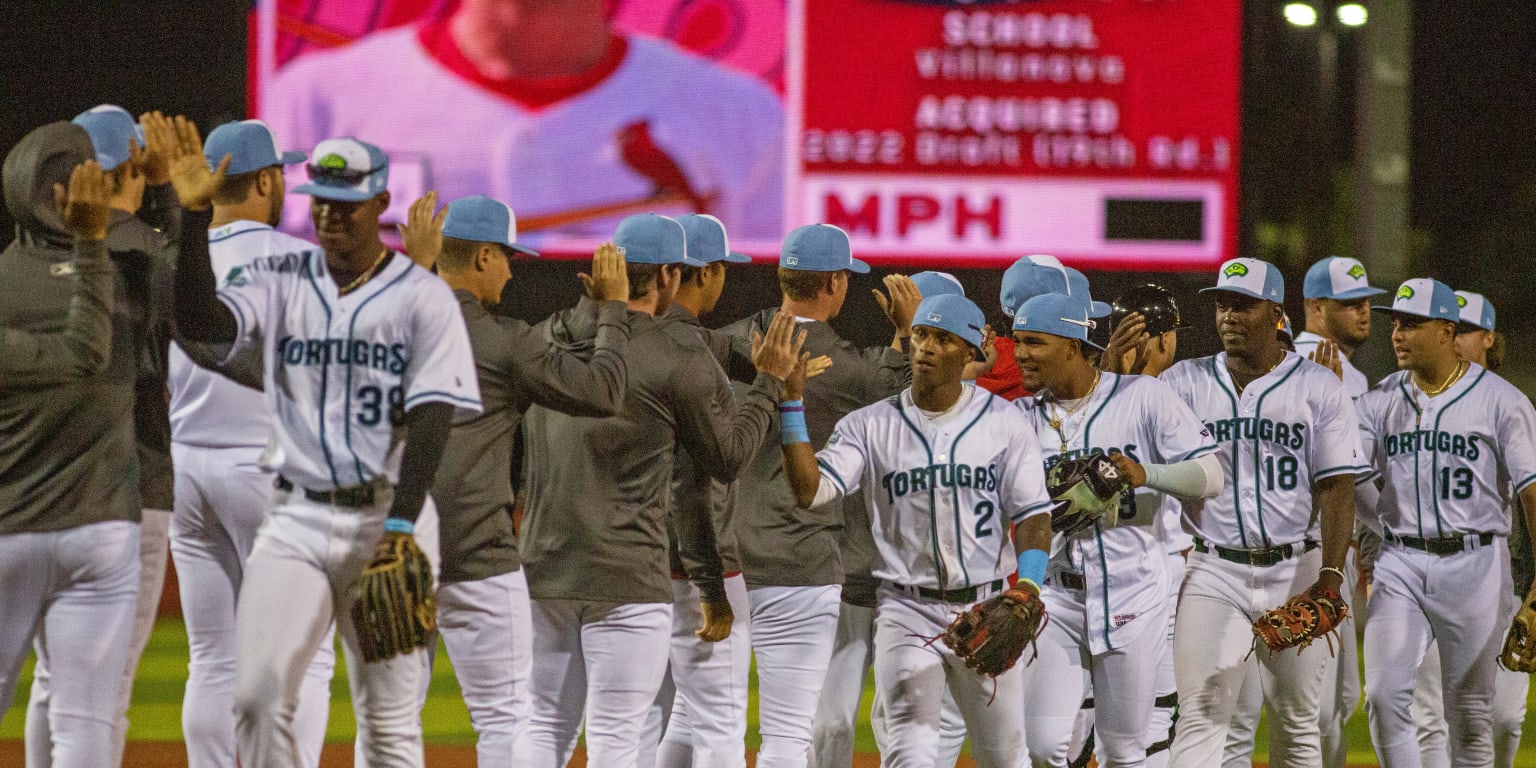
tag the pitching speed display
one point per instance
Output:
(933, 131)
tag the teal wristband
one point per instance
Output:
(1032, 566)
(399, 525)
(792, 427)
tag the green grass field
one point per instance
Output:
(156, 710)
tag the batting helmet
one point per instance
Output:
(1154, 303)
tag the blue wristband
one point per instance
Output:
(792, 427)
(1032, 566)
(399, 525)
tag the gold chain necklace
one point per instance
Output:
(1241, 387)
(1450, 381)
(1055, 422)
(365, 276)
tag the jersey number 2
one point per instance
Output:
(371, 404)
(984, 511)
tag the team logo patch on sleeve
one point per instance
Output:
(235, 278)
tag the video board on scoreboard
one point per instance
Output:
(934, 131)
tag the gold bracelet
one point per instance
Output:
(1326, 569)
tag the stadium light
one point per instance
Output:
(1352, 15)
(1301, 14)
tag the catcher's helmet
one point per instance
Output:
(1155, 304)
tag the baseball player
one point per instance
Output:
(837, 711)
(357, 343)
(593, 543)
(1109, 602)
(482, 601)
(551, 97)
(1288, 446)
(1454, 444)
(790, 554)
(1145, 324)
(954, 487)
(219, 432)
(1030, 276)
(69, 527)
(700, 716)
(1478, 342)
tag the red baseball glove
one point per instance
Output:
(992, 635)
(1302, 620)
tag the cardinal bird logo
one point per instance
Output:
(641, 153)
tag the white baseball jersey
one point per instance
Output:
(941, 496)
(1355, 382)
(340, 371)
(209, 410)
(1123, 561)
(1449, 461)
(1289, 429)
(724, 129)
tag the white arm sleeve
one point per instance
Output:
(1199, 478)
(1367, 495)
(826, 492)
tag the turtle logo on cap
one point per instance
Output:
(235, 278)
(1404, 293)
(1235, 269)
(333, 162)
(1461, 301)
(1356, 272)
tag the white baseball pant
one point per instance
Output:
(793, 629)
(222, 498)
(487, 627)
(154, 527)
(297, 581)
(951, 722)
(1510, 690)
(837, 711)
(1339, 700)
(708, 723)
(601, 660)
(1419, 596)
(1160, 727)
(910, 679)
(71, 593)
(1213, 646)
(1123, 681)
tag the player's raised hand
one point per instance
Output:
(190, 177)
(902, 303)
(1130, 334)
(777, 353)
(609, 280)
(154, 158)
(83, 206)
(977, 369)
(1134, 472)
(718, 618)
(1327, 355)
(422, 234)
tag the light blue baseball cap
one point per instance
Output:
(651, 239)
(1250, 277)
(1475, 309)
(251, 146)
(707, 241)
(931, 284)
(346, 169)
(1057, 314)
(819, 248)
(483, 220)
(953, 313)
(1426, 298)
(1337, 277)
(1040, 274)
(110, 128)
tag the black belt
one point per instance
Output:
(1450, 545)
(1264, 556)
(355, 496)
(1069, 580)
(966, 595)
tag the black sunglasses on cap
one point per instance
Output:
(338, 176)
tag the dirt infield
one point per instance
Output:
(171, 754)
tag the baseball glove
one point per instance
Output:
(992, 635)
(1302, 620)
(1085, 490)
(1519, 653)
(394, 610)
